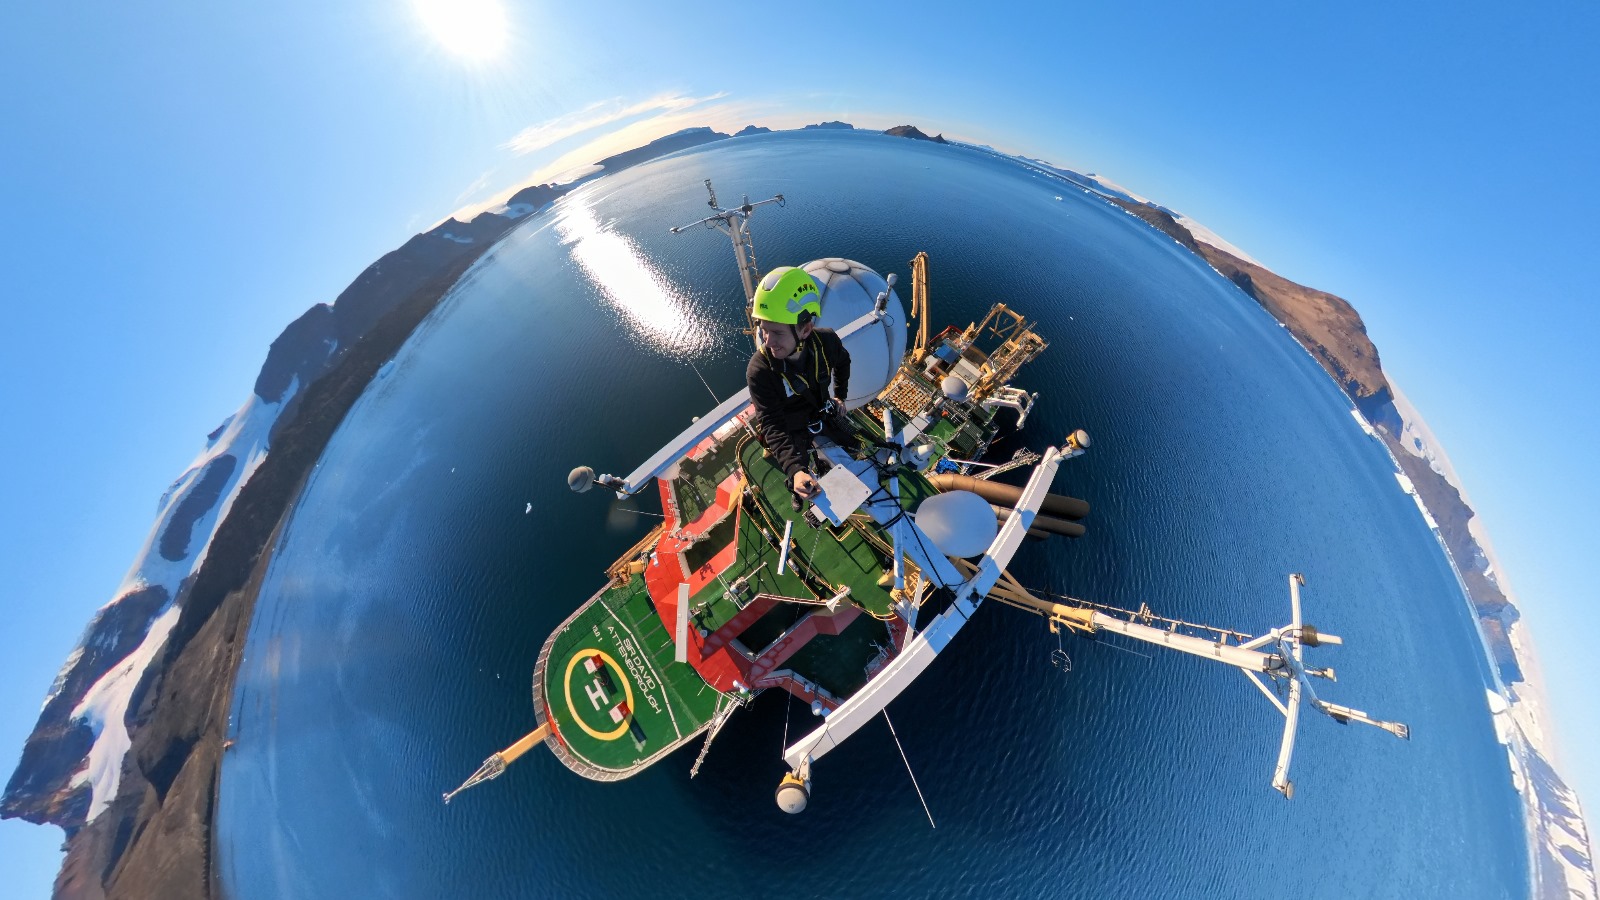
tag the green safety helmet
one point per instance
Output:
(788, 296)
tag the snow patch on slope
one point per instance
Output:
(1366, 427)
(1561, 863)
(105, 709)
(244, 435)
(1558, 836)
(1410, 488)
(104, 706)
(1206, 236)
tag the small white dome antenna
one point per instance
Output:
(581, 479)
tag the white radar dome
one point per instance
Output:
(849, 291)
(959, 522)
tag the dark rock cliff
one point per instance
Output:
(537, 195)
(39, 789)
(1326, 325)
(1332, 331)
(300, 352)
(154, 838)
(915, 133)
(313, 343)
(672, 143)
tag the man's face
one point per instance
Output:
(779, 339)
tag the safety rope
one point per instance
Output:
(639, 512)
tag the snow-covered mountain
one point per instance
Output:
(74, 760)
(78, 757)
(1559, 842)
(72, 764)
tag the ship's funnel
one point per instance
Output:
(960, 523)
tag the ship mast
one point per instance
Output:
(1254, 657)
(735, 223)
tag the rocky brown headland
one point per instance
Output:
(915, 133)
(1331, 330)
(154, 839)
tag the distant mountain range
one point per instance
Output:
(128, 745)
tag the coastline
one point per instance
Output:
(156, 838)
(1327, 328)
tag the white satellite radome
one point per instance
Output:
(955, 387)
(960, 523)
(850, 291)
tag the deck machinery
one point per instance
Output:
(844, 604)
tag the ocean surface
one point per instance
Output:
(394, 639)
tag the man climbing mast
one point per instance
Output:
(798, 378)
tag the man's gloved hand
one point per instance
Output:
(806, 484)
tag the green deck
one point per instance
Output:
(828, 558)
(670, 702)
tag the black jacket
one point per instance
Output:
(790, 394)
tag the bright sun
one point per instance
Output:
(475, 29)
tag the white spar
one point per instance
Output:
(895, 677)
(1278, 654)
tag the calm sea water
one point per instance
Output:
(394, 640)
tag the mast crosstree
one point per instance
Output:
(735, 223)
(1278, 655)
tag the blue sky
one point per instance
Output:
(181, 180)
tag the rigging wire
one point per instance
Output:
(908, 768)
(703, 381)
(638, 512)
(1123, 649)
(788, 704)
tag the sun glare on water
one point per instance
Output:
(655, 310)
(473, 29)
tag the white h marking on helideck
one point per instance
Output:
(597, 694)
